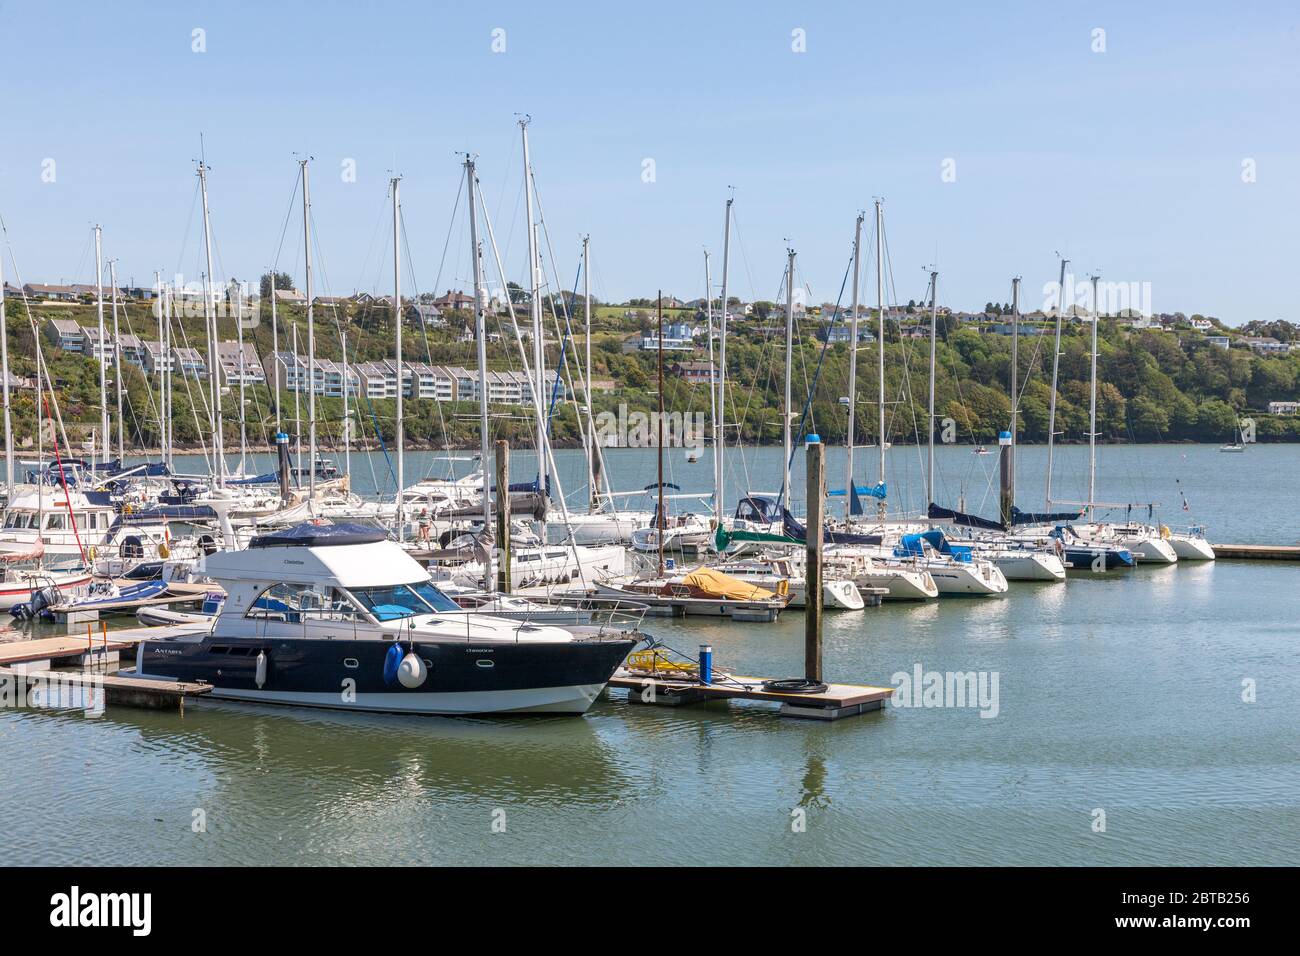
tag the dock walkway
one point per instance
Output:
(1257, 552)
(838, 700)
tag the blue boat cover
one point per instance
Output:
(308, 535)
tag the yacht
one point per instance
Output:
(338, 616)
(1191, 545)
(67, 522)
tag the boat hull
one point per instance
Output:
(462, 677)
(1189, 548)
(1030, 566)
(899, 585)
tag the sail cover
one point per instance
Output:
(962, 519)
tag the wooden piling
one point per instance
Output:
(503, 517)
(816, 492)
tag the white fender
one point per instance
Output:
(260, 677)
(411, 673)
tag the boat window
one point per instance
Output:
(55, 522)
(296, 603)
(434, 597)
(392, 602)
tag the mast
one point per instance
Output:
(720, 426)
(789, 365)
(117, 359)
(590, 436)
(934, 322)
(275, 352)
(169, 378)
(99, 309)
(397, 352)
(1056, 363)
(1009, 453)
(311, 342)
(4, 370)
(162, 388)
(297, 405)
(210, 321)
(480, 334)
(539, 353)
(347, 418)
(239, 343)
(662, 521)
(880, 341)
(1092, 403)
(853, 368)
(713, 370)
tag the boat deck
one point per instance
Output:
(838, 700)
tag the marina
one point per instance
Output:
(511, 453)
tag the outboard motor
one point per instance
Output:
(41, 598)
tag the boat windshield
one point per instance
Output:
(403, 600)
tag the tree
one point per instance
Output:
(282, 281)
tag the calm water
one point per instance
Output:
(1121, 694)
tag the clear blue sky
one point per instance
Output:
(1128, 161)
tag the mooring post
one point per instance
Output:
(503, 517)
(816, 493)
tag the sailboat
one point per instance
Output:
(1236, 446)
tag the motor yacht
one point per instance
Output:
(338, 616)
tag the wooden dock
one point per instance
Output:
(838, 700)
(124, 690)
(1257, 552)
(98, 646)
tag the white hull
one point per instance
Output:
(1191, 548)
(953, 577)
(1028, 566)
(576, 699)
(900, 584)
(1150, 550)
(600, 528)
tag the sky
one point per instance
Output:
(1153, 143)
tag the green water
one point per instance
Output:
(1119, 693)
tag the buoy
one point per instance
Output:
(412, 672)
(392, 661)
(260, 677)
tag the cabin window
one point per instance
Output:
(299, 603)
(396, 601)
(56, 522)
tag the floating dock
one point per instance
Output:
(118, 689)
(1257, 552)
(838, 700)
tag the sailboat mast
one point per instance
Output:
(4, 370)
(117, 358)
(297, 405)
(535, 309)
(1056, 364)
(1092, 404)
(397, 351)
(786, 410)
(1009, 479)
(210, 322)
(99, 309)
(590, 435)
(311, 339)
(662, 521)
(713, 370)
(347, 417)
(934, 324)
(275, 352)
(880, 343)
(480, 336)
(239, 343)
(720, 426)
(853, 369)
